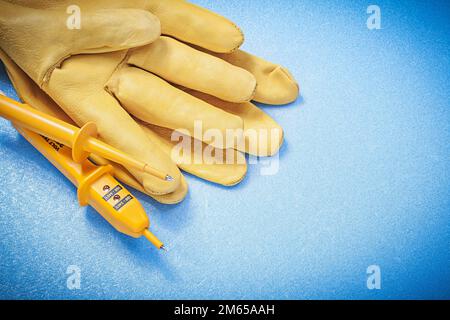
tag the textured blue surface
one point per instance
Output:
(364, 178)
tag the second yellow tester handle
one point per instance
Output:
(97, 187)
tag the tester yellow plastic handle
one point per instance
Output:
(37, 121)
(97, 187)
(81, 140)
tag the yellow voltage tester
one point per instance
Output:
(82, 140)
(96, 186)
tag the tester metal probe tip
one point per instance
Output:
(157, 173)
(154, 240)
(164, 248)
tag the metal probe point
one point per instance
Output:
(153, 239)
(163, 248)
(155, 172)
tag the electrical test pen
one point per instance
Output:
(98, 188)
(82, 140)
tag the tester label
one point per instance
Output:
(110, 194)
(123, 202)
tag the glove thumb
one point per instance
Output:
(39, 40)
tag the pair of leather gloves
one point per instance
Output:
(138, 86)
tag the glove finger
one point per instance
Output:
(225, 167)
(181, 64)
(263, 136)
(153, 100)
(122, 174)
(180, 19)
(120, 29)
(276, 85)
(78, 87)
(193, 24)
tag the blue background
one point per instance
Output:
(364, 178)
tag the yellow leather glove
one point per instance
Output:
(31, 94)
(40, 43)
(130, 76)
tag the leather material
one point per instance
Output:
(177, 62)
(39, 40)
(276, 85)
(155, 101)
(30, 93)
(79, 88)
(179, 19)
(226, 167)
(255, 121)
(117, 67)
